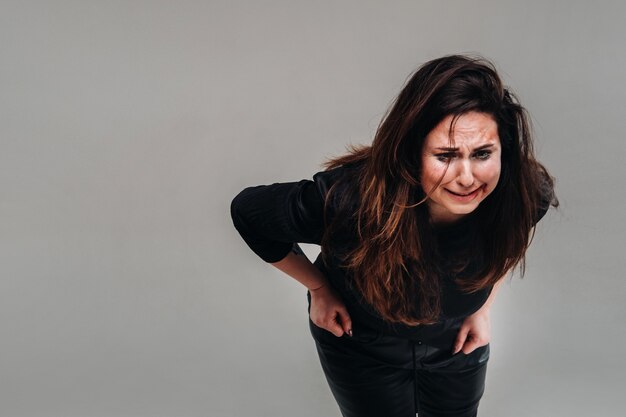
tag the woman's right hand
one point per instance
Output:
(329, 312)
(327, 309)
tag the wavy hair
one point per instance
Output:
(394, 263)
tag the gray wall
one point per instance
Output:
(126, 127)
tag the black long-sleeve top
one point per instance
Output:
(272, 218)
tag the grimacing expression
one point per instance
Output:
(466, 166)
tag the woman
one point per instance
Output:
(417, 232)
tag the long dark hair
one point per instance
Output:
(394, 262)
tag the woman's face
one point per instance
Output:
(469, 168)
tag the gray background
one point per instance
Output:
(126, 127)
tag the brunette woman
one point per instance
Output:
(417, 232)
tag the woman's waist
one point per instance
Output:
(455, 304)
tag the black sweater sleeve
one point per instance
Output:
(271, 218)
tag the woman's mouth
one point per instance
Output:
(464, 197)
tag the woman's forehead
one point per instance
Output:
(470, 130)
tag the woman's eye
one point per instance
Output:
(482, 155)
(445, 157)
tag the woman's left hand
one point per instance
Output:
(474, 332)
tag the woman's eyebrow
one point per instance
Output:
(480, 148)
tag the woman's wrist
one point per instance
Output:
(321, 291)
(302, 270)
(312, 290)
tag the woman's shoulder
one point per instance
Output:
(340, 176)
(339, 189)
(547, 196)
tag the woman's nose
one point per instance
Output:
(465, 177)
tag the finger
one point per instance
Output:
(335, 327)
(345, 320)
(470, 345)
(461, 337)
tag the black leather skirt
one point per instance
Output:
(372, 374)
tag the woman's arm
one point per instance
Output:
(476, 328)
(271, 218)
(300, 268)
(327, 309)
